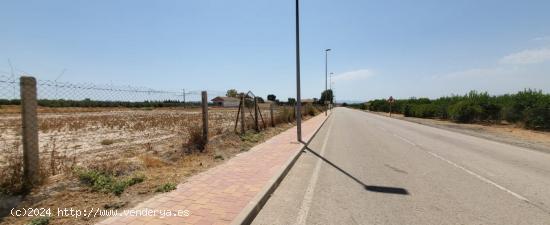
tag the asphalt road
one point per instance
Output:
(371, 169)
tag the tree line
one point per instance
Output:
(325, 96)
(530, 108)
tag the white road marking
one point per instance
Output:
(405, 139)
(479, 177)
(468, 171)
(308, 197)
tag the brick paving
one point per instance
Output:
(218, 195)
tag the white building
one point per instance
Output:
(225, 101)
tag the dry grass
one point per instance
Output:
(12, 172)
(150, 161)
(165, 145)
(162, 171)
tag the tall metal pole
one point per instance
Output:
(326, 79)
(330, 88)
(326, 93)
(298, 95)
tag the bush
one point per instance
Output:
(195, 138)
(529, 107)
(166, 187)
(40, 221)
(424, 110)
(538, 117)
(464, 111)
(105, 183)
(407, 110)
(490, 112)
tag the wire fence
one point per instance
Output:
(80, 124)
(56, 90)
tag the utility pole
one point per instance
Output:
(326, 79)
(298, 95)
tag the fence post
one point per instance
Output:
(204, 117)
(256, 113)
(271, 115)
(30, 132)
(243, 113)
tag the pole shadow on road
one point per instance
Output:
(372, 188)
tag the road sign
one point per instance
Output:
(391, 100)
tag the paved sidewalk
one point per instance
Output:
(218, 195)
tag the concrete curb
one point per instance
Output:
(247, 215)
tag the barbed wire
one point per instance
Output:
(55, 90)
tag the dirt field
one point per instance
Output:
(89, 132)
(152, 145)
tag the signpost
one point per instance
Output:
(391, 100)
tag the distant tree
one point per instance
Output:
(291, 101)
(326, 96)
(271, 97)
(260, 100)
(345, 104)
(231, 93)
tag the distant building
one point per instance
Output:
(308, 101)
(225, 101)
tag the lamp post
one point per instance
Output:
(298, 95)
(330, 88)
(326, 79)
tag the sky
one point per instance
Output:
(421, 48)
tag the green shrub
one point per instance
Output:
(490, 112)
(407, 110)
(538, 117)
(424, 110)
(166, 187)
(40, 221)
(252, 136)
(529, 107)
(105, 183)
(464, 111)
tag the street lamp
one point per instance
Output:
(330, 88)
(326, 79)
(298, 95)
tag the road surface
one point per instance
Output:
(371, 169)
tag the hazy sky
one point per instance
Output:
(380, 48)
